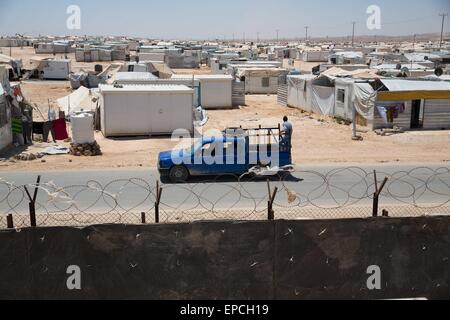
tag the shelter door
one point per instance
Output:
(417, 114)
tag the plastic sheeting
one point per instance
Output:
(312, 98)
(322, 100)
(364, 100)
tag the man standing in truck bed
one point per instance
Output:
(286, 133)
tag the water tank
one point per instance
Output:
(82, 128)
(98, 68)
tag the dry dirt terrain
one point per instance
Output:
(317, 140)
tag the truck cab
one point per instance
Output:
(235, 152)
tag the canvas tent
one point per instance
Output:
(83, 99)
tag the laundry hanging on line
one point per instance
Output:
(60, 129)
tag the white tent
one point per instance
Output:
(82, 99)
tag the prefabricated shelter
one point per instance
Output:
(152, 56)
(344, 57)
(142, 110)
(216, 91)
(13, 66)
(415, 104)
(188, 82)
(132, 77)
(315, 56)
(260, 80)
(54, 69)
(53, 47)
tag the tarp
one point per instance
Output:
(79, 100)
(299, 92)
(364, 100)
(322, 100)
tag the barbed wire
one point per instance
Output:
(337, 193)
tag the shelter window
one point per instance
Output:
(341, 95)
(3, 114)
(265, 82)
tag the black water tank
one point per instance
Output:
(98, 68)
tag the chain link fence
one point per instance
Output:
(339, 193)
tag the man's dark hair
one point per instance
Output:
(285, 119)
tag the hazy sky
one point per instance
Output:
(210, 19)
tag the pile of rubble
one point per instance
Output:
(85, 149)
(28, 156)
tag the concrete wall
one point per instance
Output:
(326, 259)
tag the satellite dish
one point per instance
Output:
(426, 58)
(399, 66)
(439, 72)
(405, 71)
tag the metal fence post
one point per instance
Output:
(143, 218)
(9, 221)
(158, 201)
(32, 204)
(270, 211)
(376, 195)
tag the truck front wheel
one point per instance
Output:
(178, 174)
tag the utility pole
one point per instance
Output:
(306, 36)
(414, 42)
(244, 37)
(353, 34)
(443, 15)
(278, 31)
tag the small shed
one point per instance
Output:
(144, 110)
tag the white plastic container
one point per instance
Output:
(82, 128)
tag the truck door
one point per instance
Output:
(235, 157)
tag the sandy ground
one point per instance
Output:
(317, 141)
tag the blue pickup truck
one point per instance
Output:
(228, 154)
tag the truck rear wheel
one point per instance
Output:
(179, 174)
